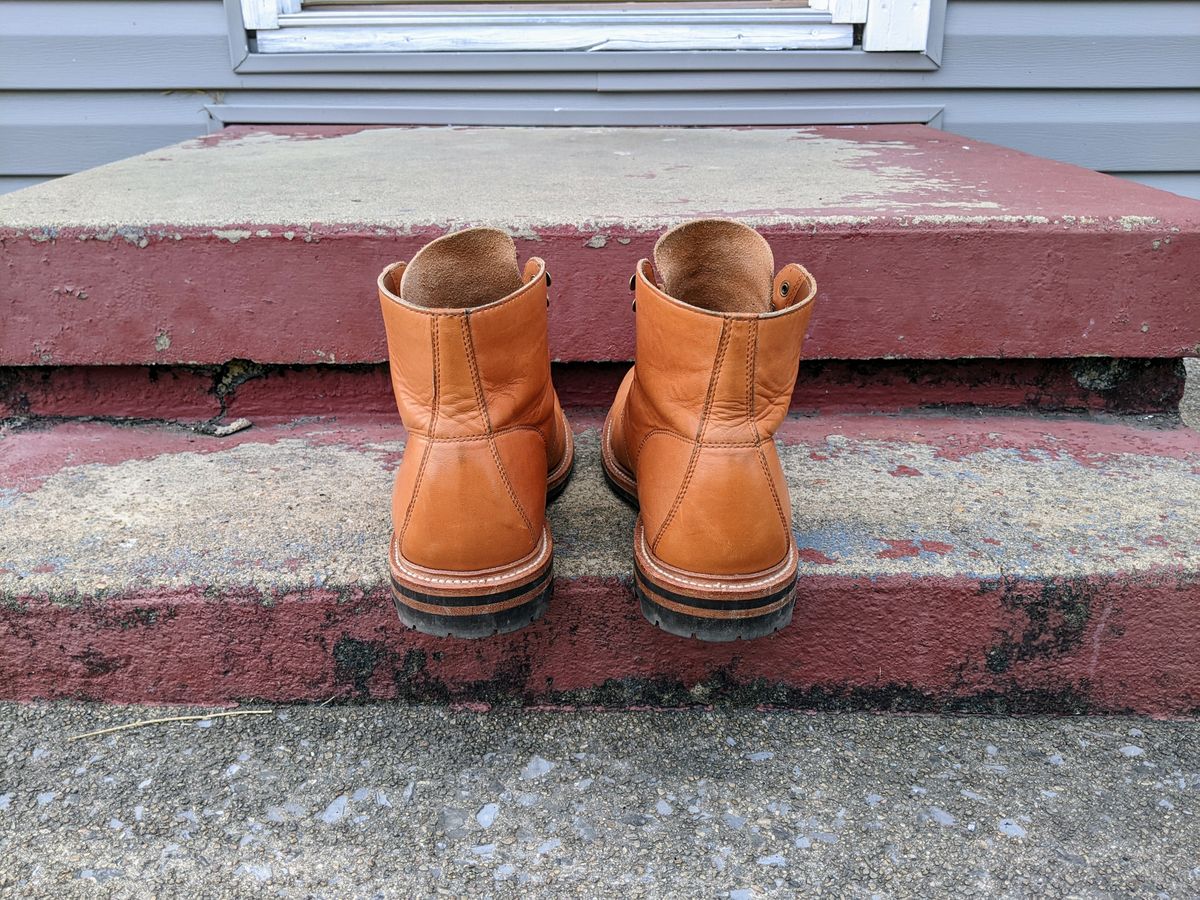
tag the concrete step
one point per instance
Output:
(264, 244)
(949, 562)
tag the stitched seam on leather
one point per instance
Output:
(691, 440)
(667, 431)
(762, 459)
(437, 397)
(722, 345)
(606, 454)
(752, 362)
(514, 296)
(625, 432)
(476, 382)
(719, 585)
(751, 374)
(479, 437)
(432, 579)
(568, 450)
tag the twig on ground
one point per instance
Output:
(195, 718)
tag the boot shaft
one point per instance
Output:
(466, 332)
(721, 339)
(719, 336)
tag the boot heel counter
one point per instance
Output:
(470, 505)
(731, 516)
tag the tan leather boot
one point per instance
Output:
(689, 438)
(488, 444)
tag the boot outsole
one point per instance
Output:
(725, 612)
(478, 624)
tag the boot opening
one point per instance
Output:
(462, 270)
(718, 265)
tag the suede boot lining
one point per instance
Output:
(718, 265)
(462, 270)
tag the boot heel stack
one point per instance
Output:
(723, 608)
(473, 604)
(488, 445)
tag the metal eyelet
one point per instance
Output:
(547, 279)
(632, 281)
(784, 289)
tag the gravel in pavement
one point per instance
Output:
(385, 800)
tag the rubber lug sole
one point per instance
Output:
(491, 614)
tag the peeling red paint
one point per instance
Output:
(233, 133)
(907, 549)
(905, 472)
(45, 450)
(234, 315)
(808, 554)
(848, 634)
(937, 547)
(898, 550)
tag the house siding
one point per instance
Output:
(1107, 84)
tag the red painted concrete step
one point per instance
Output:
(264, 244)
(1001, 562)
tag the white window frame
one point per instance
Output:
(895, 35)
(888, 25)
(546, 27)
(282, 27)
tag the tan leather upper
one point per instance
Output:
(718, 347)
(470, 367)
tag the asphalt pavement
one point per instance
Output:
(385, 800)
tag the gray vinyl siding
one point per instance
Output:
(1108, 84)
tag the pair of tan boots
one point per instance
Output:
(689, 438)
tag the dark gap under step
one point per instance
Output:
(1127, 386)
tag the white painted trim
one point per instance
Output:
(896, 25)
(261, 14)
(848, 12)
(487, 14)
(561, 28)
(518, 36)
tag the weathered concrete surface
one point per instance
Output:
(1189, 406)
(925, 245)
(191, 393)
(306, 505)
(970, 562)
(395, 801)
(530, 178)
